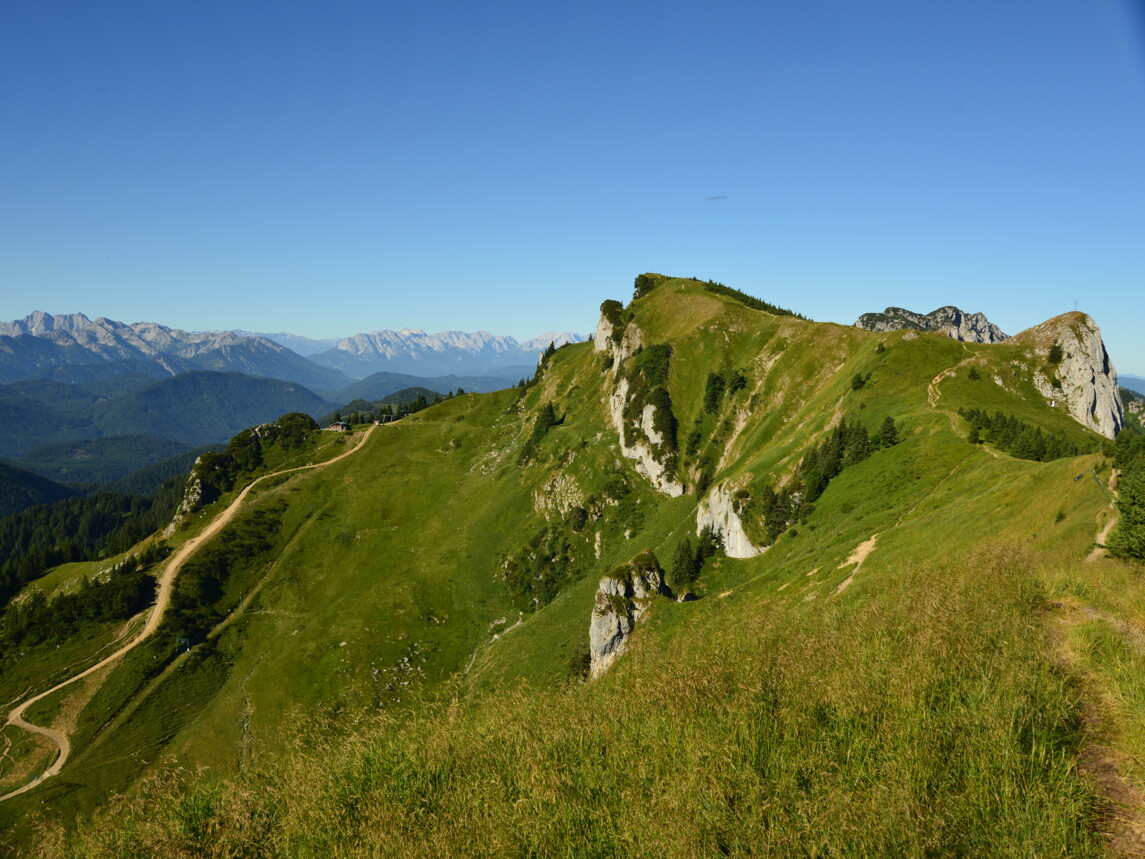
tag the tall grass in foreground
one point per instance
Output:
(930, 721)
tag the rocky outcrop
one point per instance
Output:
(614, 336)
(641, 450)
(641, 439)
(622, 599)
(1134, 405)
(194, 497)
(1075, 371)
(718, 512)
(970, 327)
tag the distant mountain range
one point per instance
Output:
(415, 352)
(86, 400)
(52, 347)
(74, 348)
(1133, 383)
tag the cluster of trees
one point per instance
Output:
(245, 453)
(542, 365)
(536, 572)
(613, 311)
(846, 444)
(645, 283)
(78, 529)
(718, 387)
(127, 590)
(395, 405)
(538, 569)
(750, 300)
(775, 510)
(720, 384)
(20, 489)
(1128, 540)
(546, 420)
(1016, 438)
(690, 557)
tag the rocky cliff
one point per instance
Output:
(639, 408)
(1075, 371)
(971, 327)
(622, 598)
(718, 512)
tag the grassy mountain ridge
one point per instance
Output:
(431, 595)
(380, 385)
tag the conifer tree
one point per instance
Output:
(685, 564)
(888, 433)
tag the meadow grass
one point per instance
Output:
(920, 712)
(934, 721)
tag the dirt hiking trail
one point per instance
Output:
(162, 601)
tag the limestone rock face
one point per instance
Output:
(622, 341)
(641, 441)
(602, 337)
(1135, 407)
(622, 598)
(641, 450)
(193, 498)
(955, 324)
(718, 512)
(1084, 380)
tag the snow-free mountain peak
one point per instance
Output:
(949, 320)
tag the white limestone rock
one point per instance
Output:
(641, 451)
(718, 512)
(646, 438)
(1084, 381)
(622, 598)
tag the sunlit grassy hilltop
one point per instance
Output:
(387, 656)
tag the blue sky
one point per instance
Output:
(338, 167)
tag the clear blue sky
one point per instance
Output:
(337, 167)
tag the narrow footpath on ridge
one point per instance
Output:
(1122, 820)
(162, 601)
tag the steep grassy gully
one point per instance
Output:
(162, 601)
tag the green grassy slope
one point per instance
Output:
(805, 698)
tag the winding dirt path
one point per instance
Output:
(162, 601)
(1122, 822)
(1103, 535)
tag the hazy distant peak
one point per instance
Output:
(38, 323)
(558, 339)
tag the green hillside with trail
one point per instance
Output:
(879, 628)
